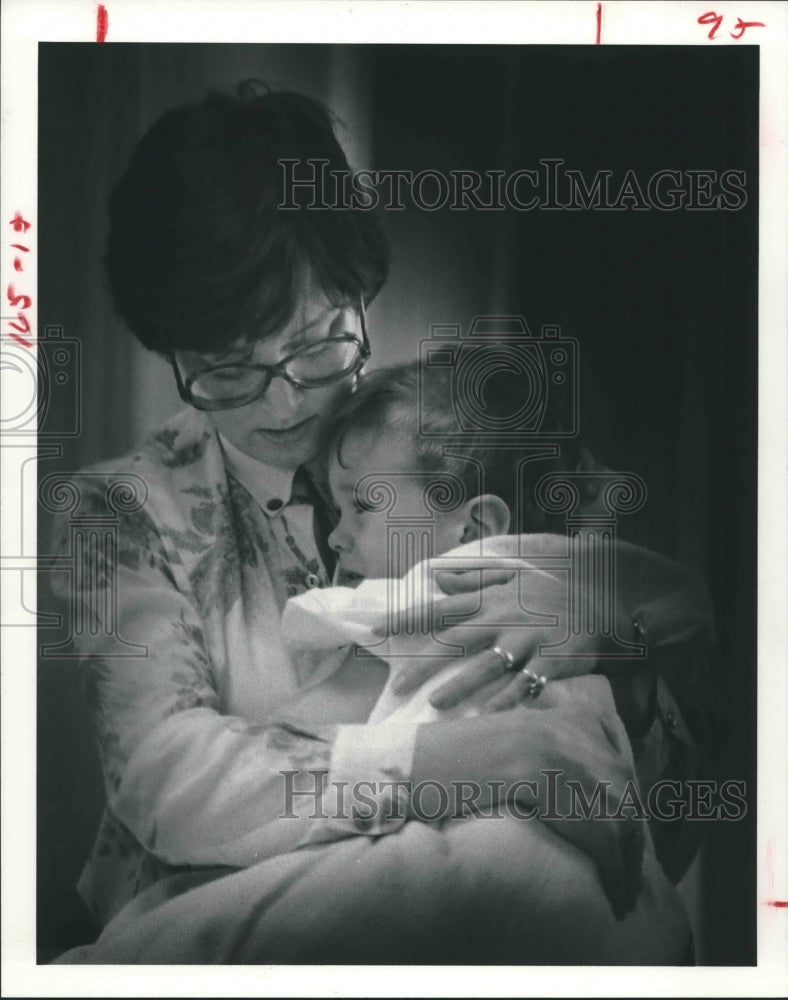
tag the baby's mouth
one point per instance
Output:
(347, 578)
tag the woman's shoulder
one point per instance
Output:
(177, 466)
(185, 441)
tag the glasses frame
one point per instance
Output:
(274, 371)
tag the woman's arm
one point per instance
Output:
(546, 758)
(659, 605)
(194, 784)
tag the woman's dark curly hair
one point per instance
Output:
(199, 252)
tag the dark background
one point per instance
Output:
(664, 305)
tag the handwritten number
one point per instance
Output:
(19, 224)
(742, 26)
(25, 328)
(15, 299)
(711, 17)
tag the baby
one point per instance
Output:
(409, 507)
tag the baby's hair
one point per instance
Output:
(390, 399)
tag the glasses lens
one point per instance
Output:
(326, 360)
(315, 365)
(223, 386)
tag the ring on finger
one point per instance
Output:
(506, 658)
(534, 685)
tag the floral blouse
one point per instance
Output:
(209, 547)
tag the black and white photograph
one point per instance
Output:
(387, 419)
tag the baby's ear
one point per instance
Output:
(485, 516)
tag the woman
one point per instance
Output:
(260, 312)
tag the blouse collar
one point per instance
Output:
(270, 486)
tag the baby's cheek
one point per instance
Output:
(444, 537)
(377, 558)
(379, 564)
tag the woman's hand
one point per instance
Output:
(475, 619)
(576, 777)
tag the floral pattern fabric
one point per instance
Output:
(191, 757)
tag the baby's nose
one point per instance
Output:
(339, 540)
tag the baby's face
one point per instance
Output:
(364, 539)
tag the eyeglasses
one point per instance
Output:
(225, 387)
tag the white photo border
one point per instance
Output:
(27, 22)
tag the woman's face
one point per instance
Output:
(283, 427)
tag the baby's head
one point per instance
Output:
(388, 468)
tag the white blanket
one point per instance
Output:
(322, 627)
